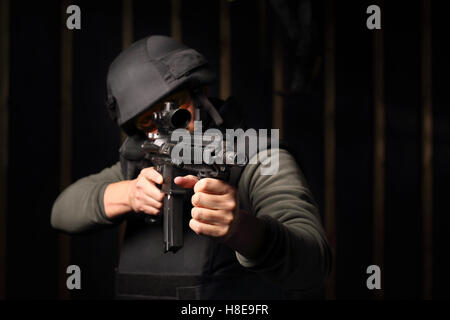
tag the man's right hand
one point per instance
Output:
(143, 194)
(139, 195)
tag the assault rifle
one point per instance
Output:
(200, 155)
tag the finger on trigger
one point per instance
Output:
(187, 182)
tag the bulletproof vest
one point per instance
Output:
(203, 268)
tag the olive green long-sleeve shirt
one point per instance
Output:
(297, 254)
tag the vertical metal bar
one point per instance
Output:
(427, 151)
(379, 154)
(127, 40)
(127, 23)
(176, 21)
(66, 138)
(127, 33)
(264, 63)
(262, 33)
(278, 83)
(4, 135)
(330, 140)
(225, 49)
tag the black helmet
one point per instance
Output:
(148, 71)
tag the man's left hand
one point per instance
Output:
(215, 206)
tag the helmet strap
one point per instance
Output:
(201, 101)
(196, 114)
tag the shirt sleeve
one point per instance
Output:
(80, 208)
(297, 254)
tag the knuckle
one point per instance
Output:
(192, 225)
(149, 210)
(206, 184)
(156, 176)
(196, 199)
(231, 205)
(229, 219)
(223, 231)
(195, 226)
(198, 185)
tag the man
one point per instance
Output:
(257, 238)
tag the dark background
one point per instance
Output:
(34, 104)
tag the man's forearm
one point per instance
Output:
(249, 236)
(297, 254)
(116, 200)
(79, 208)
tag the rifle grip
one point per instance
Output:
(173, 211)
(173, 222)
